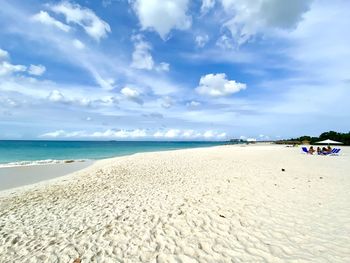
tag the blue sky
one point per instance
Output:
(173, 70)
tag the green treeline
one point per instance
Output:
(332, 135)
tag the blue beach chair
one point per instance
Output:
(305, 150)
(335, 152)
(329, 153)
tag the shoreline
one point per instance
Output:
(193, 205)
(56, 169)
(38, 162)
(16, 177)
(21, 153)
(42, 162)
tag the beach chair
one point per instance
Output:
(330, 153)
(335, 152)
(305, 150)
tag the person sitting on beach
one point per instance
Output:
(329, 149)
(319, 150)
(311, 150)
(326, 150)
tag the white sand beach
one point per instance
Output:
(219, 204)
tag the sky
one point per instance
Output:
(173, 69)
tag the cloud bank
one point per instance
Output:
(173, 134)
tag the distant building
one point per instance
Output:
(251, 140)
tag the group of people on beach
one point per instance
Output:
(324, 150)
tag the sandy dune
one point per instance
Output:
(220, 204)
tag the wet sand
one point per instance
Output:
(12, 177)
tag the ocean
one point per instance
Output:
(14, 153)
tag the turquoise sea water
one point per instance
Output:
(35, 152)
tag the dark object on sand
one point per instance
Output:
(283, 170)
(222, 216)
(77, 260)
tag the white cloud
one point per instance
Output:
(217, 85)
(86, 18)
(7, 68)
(208, 134)
(54, 134)
(105, 83)
(167, 102)
(36, 70)
(59, 97)
(9, 102)
(158, 134)
(110, 133)
(100, 63)
(193, 104)
(172, 133)
(94, 60)
(162, 15)
(175, 134)
(207, 5)
(132, 94)
(44, 18)
(4, 55)
(222, 135)
(137, 133)
(56, 96)
(154, 115)
(225, 42)
(78, 44)
(253, 17)
(214, 134)
(163, 66)
(141, 57)
(323, 56)
(189, 134)
(264, 137)
(201, 40)
(106, 101)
